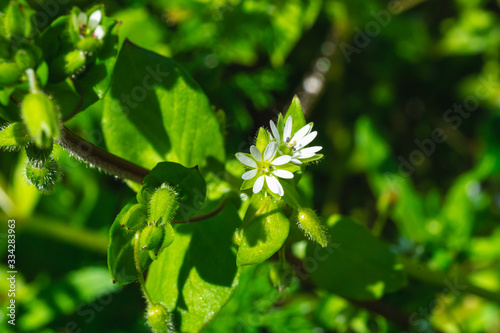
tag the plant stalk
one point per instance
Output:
(100, 158)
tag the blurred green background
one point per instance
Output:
(405, 96)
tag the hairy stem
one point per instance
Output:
(100, 158)
(138, 267)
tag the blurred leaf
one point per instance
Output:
(356, 264)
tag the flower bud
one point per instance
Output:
(66, 65)
(9, 74)
(135, 218)
(310, 223)
(15, 22)
(156, 238)
(40, 118)
(43, 176)
(159, 319)
(38, 155)
(163, 205)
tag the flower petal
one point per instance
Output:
(306, 140)
(307, 152)
(81, 20)
(246, 160)
(98, 32)
(258, 184)
(287, 133)
(249, 174)
(256, 153)
(94, 19)
(275, 132)
(295, 161)
(301, 133)
(281, 160)
(283, 174)
(270, 151)
(274, 185)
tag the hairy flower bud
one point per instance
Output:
(156, 238)
(159, 319)
(43, 176)
(135, 218)
(310, 223)
(40, 118)
(163, 205)
(38, 155)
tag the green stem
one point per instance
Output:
(100, 158)
(379, 224)
(138, 267)
(440, 280)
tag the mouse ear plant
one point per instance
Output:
(274, 166)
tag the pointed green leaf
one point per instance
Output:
(154, 112)
(295, 111)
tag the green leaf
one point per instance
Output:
(196, 275)
(13, 136)
(188, 182)
(121, 262)
(355, 264)
(295, 111)
(264, 233)
(154, 111)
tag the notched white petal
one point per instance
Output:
(275, 132)
(256, 153)
(246, 160)
(274, 185)
(287, 133)
(306, 140)
(258, 184)
(301, 133)
(283, 174)
(98, 32)
(82, 19)
(295, 161)
(270, 151)
(94, 19)
(249, 174)
(281, 160)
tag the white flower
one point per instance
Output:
(90, 26)
(295, 145)
(266, 168)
